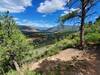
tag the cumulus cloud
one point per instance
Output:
(14, 6)
(49, 6)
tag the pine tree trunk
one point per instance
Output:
(82, 36)
(82, 42)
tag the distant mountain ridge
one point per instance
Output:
(66, 27)
(25, 28)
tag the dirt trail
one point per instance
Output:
(65, 55)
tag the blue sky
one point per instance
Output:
(41, 13)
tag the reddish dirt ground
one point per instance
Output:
(68, 54)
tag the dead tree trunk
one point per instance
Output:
(17, 68)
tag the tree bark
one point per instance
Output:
(16, 65)
(17, 68)
(82, 36)
(82, 42)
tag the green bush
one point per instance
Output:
(92, 37)
(13, 44)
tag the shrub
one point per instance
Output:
(92, 37)
(14, 45)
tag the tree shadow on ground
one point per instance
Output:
(95, 49)
(73, 67)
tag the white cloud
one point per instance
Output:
(14, 6)
(49, 6)
(67, 11)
